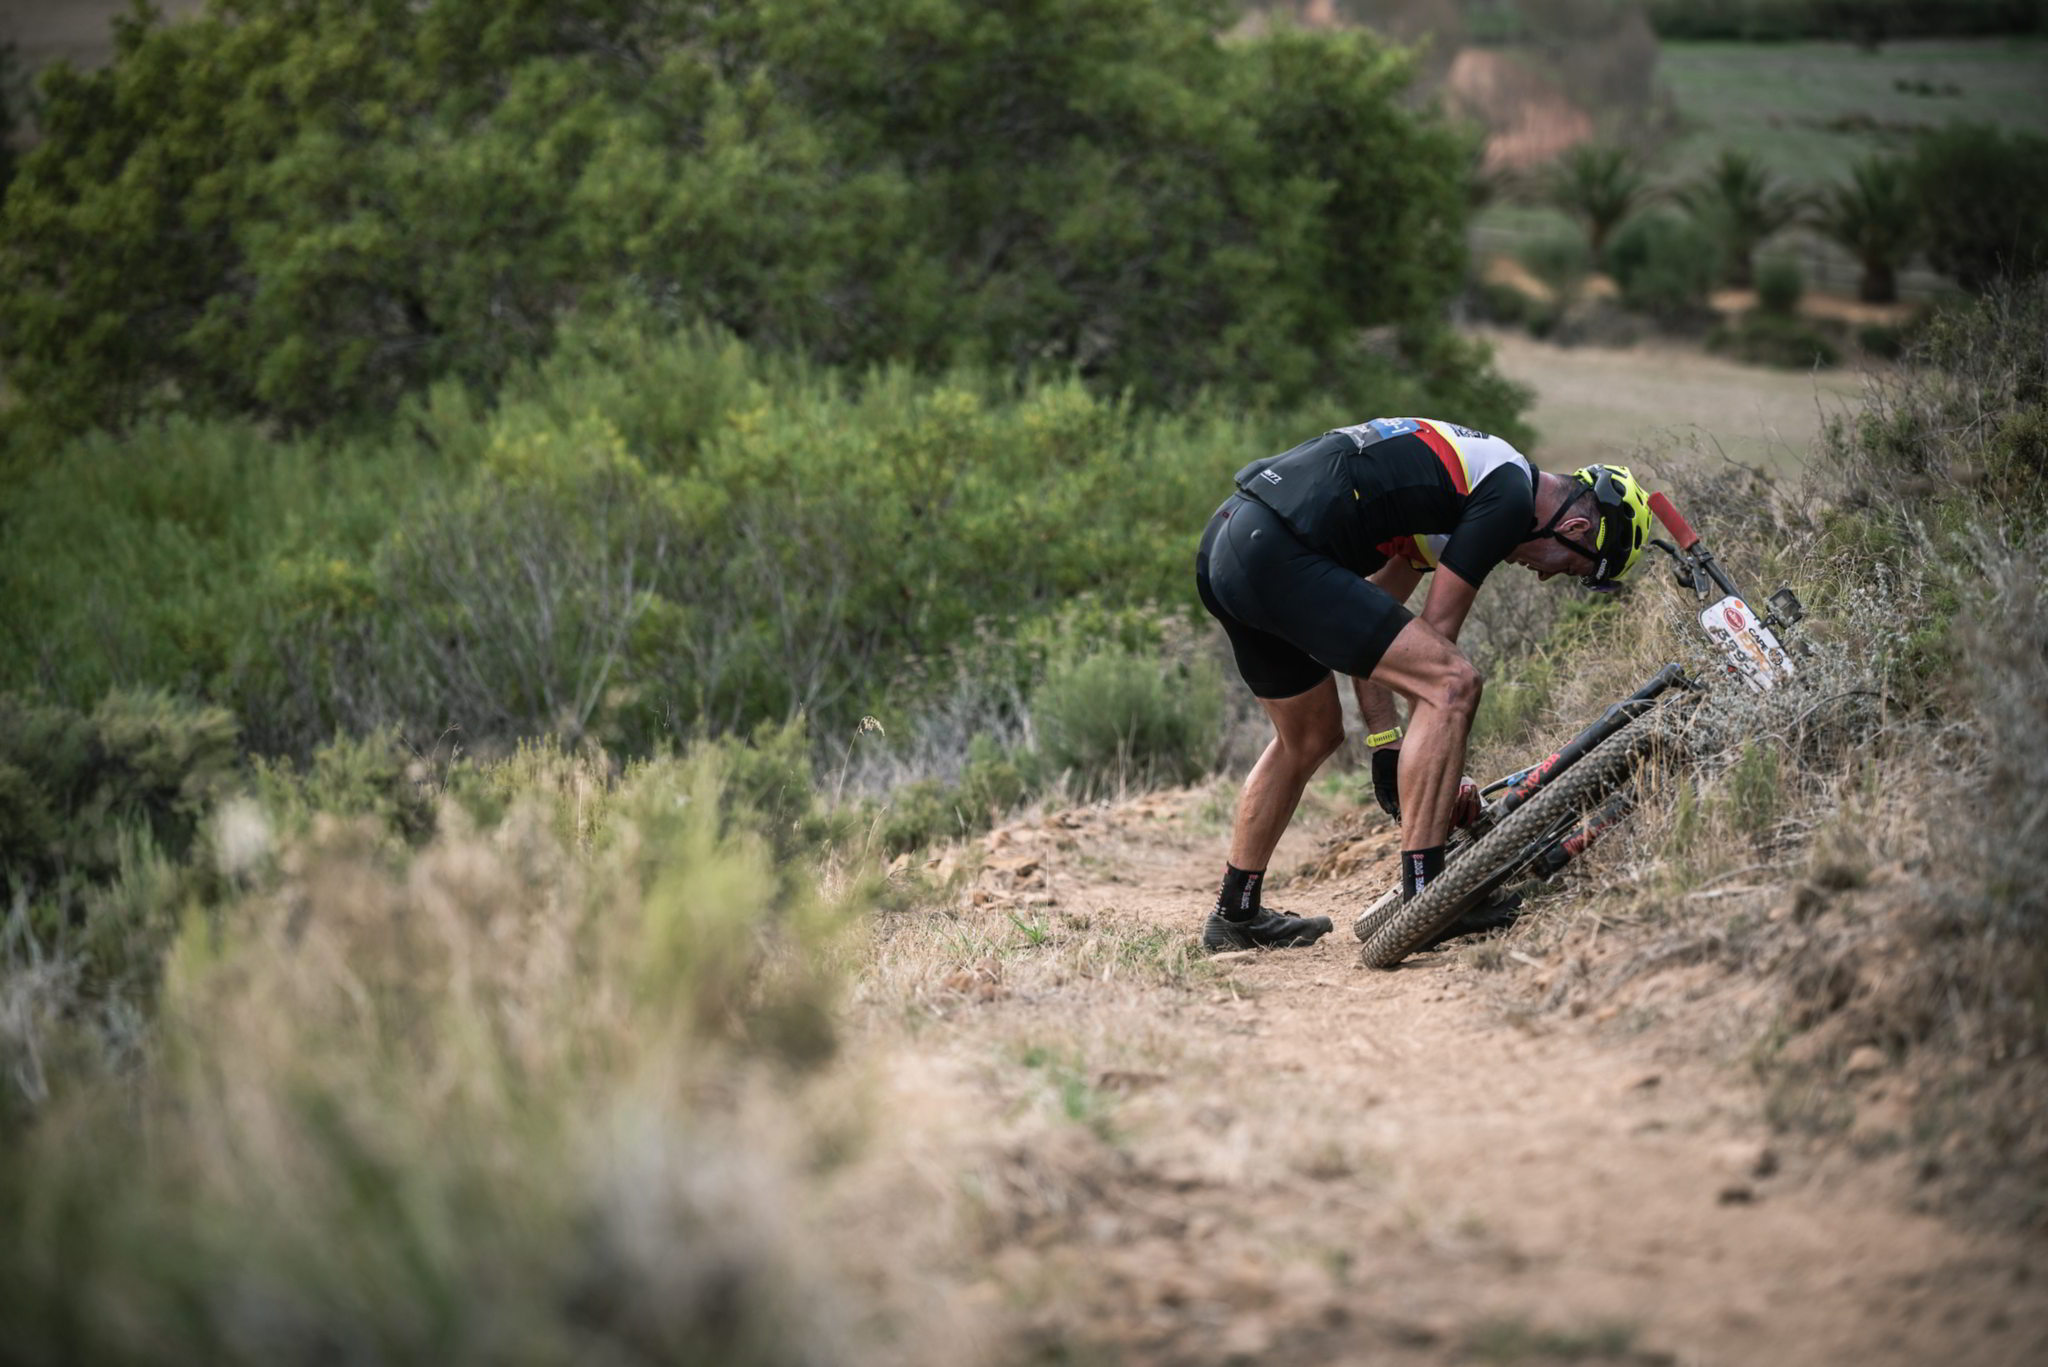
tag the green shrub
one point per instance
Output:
(1881, 340)
(695, 560)
(78, 785)
(1982, 239)
(1495, 302)
(1665, 265)
(1775, 340)
(372, 776)
(921, 813)
(100, 814)
(1559, 259)
(1779, 285)
(1112, 717)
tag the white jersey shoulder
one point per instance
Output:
(1482, 452)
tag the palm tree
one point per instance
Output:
(1741, 204)
(1876, 216)
(1600, 185)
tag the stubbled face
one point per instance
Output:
(1546, 557)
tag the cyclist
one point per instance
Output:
(1307, 566)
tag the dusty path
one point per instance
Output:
(1664, 401)
(1286, 1158)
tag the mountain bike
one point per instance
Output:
(1534, 822)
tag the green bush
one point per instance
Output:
(1665, 265)
(1779, 285)
(2000, 234)
(1775, 340)
(1112, 717)
(1559, 259)
(694, 560)
(1494, 302)
(77, 786)
(100, 817)
(1884, 342)
(372, 776)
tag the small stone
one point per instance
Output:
(1247, 1339)
(1746, 1158)
(1864, 1061)
(1233, 955)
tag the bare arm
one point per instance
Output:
(1450, 598)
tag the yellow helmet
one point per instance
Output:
(1624, 523)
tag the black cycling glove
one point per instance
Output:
(1386, 769)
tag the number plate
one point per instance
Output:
(1753, 652)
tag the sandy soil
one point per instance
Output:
(1657, 402)
(1287, 1158)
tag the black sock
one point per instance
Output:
(1239, 900)
(1419, 869)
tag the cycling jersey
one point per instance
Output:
(1359, 494)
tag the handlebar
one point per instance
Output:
(1674, 522)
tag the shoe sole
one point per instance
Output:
(1225, 944)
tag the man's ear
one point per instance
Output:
(1577, 528)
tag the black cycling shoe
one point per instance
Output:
(1268, 930)
(1496, 913)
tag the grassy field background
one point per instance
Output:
(1656, 406)
(1811, 110)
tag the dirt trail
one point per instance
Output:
(1660, 402)
(1287, 1158)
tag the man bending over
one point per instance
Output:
(1308, 566)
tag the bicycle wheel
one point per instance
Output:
(1507, 848)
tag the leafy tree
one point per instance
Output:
(1983, 194)
(1600, 185)
(1742, 205)
(304, 209)
(1877, 218)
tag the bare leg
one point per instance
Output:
(1307, 729)
(1442, 690)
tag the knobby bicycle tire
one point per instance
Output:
(1503, 851)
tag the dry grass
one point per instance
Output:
(1846, 884)
(541, 1089)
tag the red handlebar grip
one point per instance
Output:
(1674, 522)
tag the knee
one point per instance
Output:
(1461, 690)
(1318, 743)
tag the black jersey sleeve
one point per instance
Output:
(1499, 516)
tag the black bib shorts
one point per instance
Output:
(1292, 614)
